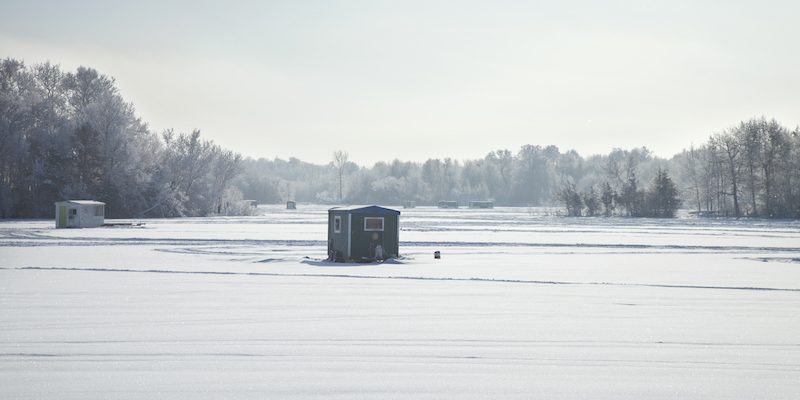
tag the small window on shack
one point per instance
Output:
(98, 211)
(373, 224)
(337, 224)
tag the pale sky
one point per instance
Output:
(420, 79)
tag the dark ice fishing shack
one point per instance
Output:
(363, 233)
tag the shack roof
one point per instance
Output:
(366, 210)
(84, 202)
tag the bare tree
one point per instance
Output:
(690, 163)
(613, 168)
(748, 135)
(503, 161)
(340, 159)
(729, 148)
(774, 141)
(227, 166)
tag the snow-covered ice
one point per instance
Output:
(521, 305)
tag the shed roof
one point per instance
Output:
(366, 210)
(84, 202)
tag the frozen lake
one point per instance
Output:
(521, 305)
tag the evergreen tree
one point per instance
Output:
(571, 199)
(608, 197)
(631, 198)
(591, 201)
(663, 197)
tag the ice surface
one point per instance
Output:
(521, 305)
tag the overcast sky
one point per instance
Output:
(420, 79)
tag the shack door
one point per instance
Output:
(374, 227)
(62, 217)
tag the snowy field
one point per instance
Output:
(521, 305)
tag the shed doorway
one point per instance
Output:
(62, 217)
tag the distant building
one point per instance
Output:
(448, 204)
(291, 205)
(481, 204)
(363, 233)
(409, 204)
(80, 214)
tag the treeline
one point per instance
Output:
(750, 170)
(70, 135)
(533, 176)
(660, 200)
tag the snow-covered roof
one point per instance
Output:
(84, 202)
(366, 210)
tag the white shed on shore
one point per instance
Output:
(80, 214)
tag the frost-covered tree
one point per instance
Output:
(499, 165)
(571, 199)
(340, 159)
(72, 135)
(728, 149)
